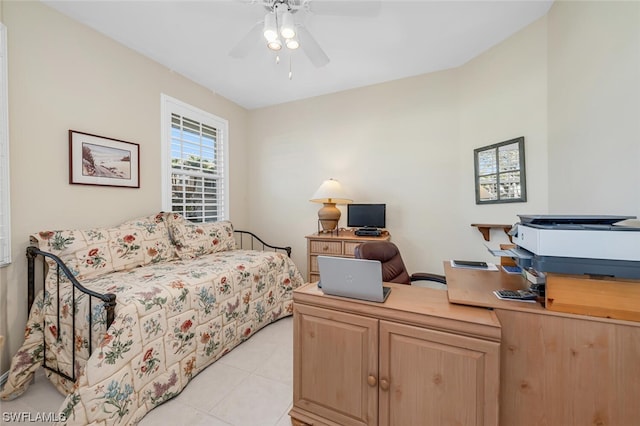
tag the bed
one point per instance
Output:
(129, 315)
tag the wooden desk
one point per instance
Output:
(556, 368)
(415, 359)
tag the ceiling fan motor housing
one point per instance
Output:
(283, 5)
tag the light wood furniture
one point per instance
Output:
(602, 297)
(330, 244)
(414, 360)
(556, 368)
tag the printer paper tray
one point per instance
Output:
(582, 266)
(572, 265)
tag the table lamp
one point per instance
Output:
(330, 193)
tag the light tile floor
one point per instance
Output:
(252, 385)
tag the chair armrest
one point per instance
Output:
(423, 276)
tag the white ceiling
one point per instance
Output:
(401, 39)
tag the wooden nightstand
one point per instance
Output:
(340, 245)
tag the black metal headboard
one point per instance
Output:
(249, 240)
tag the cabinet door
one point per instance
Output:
(430, 377)
(335, 363)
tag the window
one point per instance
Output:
(500, 172)
(5, 220)
(194, 162)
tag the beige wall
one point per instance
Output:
(594, 107)
(503, 96)
(393, 143)
(407, 143)
(64, 76)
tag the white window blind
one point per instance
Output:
(5, 220)
(195, 162)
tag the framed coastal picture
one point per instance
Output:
(97, 160)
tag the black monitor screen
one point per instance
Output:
(361, 215)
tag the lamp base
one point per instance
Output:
(329, 216)
(330, 232)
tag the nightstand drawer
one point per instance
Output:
(313, 264)
(326, 247)
(350, 247)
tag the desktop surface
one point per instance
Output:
(406, 300)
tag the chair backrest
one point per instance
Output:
(393, 269)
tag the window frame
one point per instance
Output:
(5, 187)
(171, 106)
(521, 169)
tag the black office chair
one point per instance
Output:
(393, 269)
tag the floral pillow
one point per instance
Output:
(170, 217)
(94, 252)
(196, 239)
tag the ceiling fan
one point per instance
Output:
(279, 30)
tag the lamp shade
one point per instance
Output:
(331, 192)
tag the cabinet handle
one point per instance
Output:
(384, 385)
(325, 248)
(372, 380)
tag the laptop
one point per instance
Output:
(354, 278)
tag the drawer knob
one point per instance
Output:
(325, 248)
(384, 384)
(372, 380)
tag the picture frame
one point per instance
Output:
(103, 161)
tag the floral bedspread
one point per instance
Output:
(172, 320)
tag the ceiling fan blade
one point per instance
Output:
(311, 47)
(367, 8)
(251, 39)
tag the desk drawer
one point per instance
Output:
(325, 247)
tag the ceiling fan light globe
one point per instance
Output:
(292, 43)
(287, 33)
(270, 29)
(287, 28)
(275, 45)
(270, 36)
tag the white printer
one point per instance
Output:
(592, 245)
